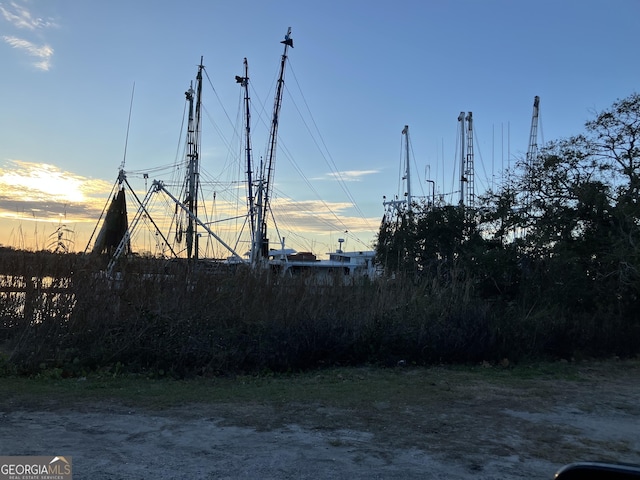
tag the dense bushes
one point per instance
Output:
(162, 319)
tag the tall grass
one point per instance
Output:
(164, 318)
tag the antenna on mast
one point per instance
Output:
(126, 139)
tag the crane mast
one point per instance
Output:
(532, 150)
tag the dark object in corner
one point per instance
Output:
(599, 471)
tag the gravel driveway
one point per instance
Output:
(463, 430)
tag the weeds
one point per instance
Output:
(163, 319)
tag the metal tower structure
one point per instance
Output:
(532, 150)
(467, 169)
(469, 172)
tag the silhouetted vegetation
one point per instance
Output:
(546, 266)
(553, 252)
(163, 318)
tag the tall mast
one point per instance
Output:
(532, 154)
(398, 203)
(532, 151)
(267, 177)
(462, 157)
(193, 167)
(244, 83)
(470, 169)
(407, 174)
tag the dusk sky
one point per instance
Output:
(360, 70)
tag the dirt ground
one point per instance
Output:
(461, 428)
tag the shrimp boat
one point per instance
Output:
(350, 265)
(182, 235)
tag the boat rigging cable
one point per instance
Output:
(106, 205)
(282, 147)
(328, 157)
(126, 138)
(121, 176)
(335, 173)
(192, 185)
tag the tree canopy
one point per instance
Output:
(563, 231)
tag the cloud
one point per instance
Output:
(38, 190)
(20, 17)
(315, 216)
(350, 175)
(42, 52)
